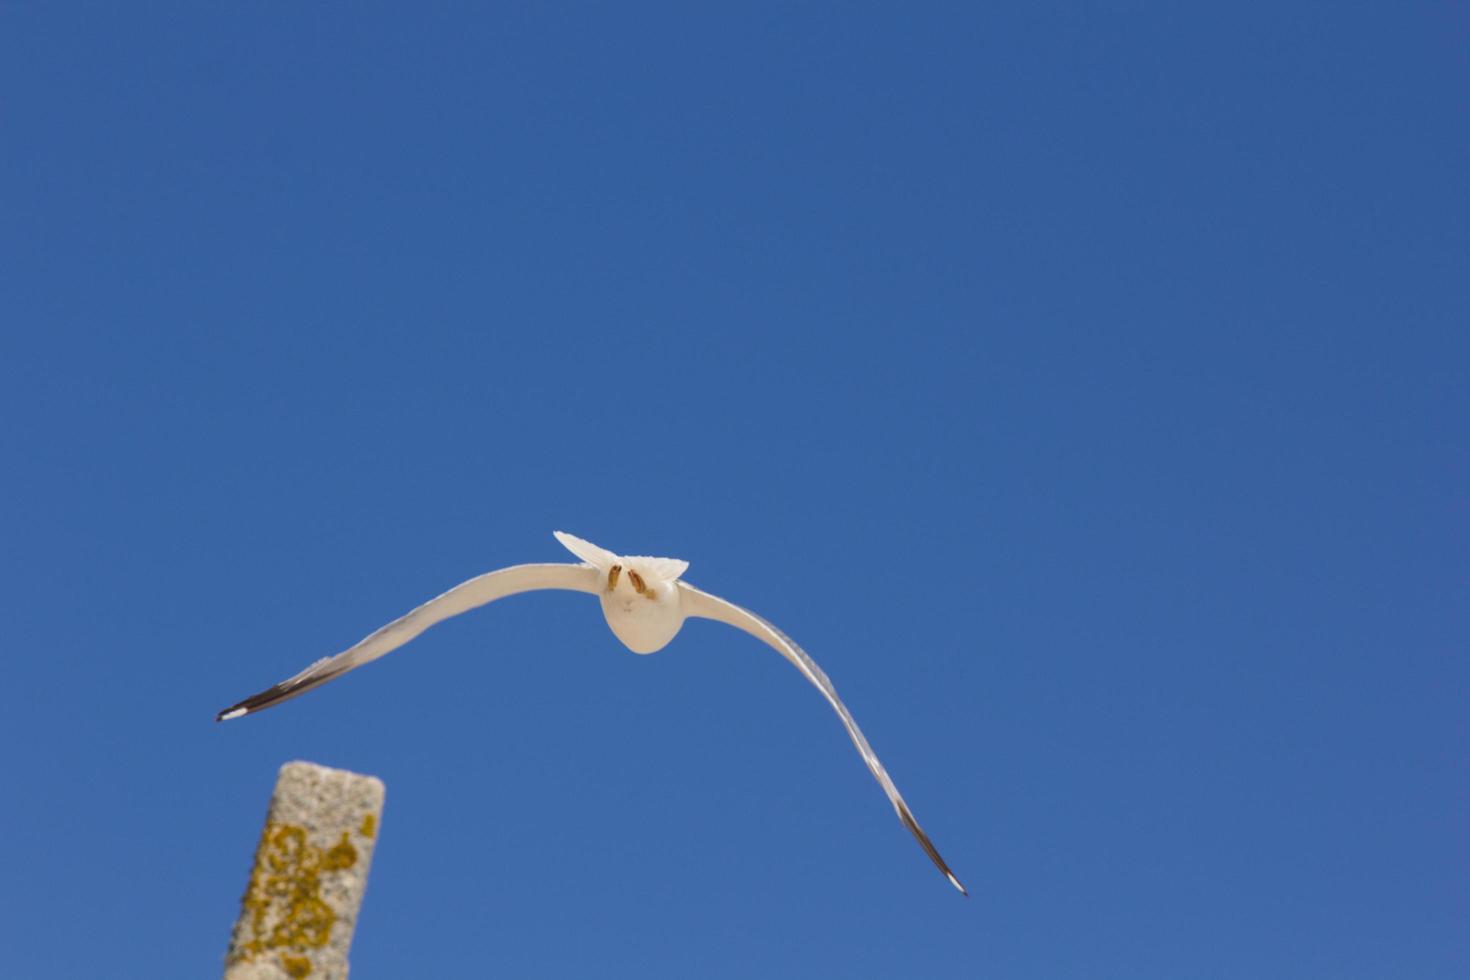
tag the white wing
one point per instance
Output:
(462, 598)
(697, 603)
(586, 550)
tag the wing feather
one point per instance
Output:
(666, 569)
(463, 597)
(586, 550)
(702, 604)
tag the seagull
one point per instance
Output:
(645, 604)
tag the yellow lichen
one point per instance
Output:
(284, 900)
(369, 825)
(340, 855)
(295, 966)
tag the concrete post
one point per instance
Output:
(311, 868)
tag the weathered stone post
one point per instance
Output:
(311, 868)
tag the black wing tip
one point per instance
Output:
(247, 707)
(261, 701)
(953, 878)
(284, 691)
(907, 817)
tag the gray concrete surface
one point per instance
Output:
(311, 867)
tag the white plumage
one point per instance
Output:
(645, 604)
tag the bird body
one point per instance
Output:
(641, 598)
(645, 604)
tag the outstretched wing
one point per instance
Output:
(462, 598)
(697, 603)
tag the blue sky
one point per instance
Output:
(1083, 386)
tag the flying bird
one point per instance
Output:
(645, 604)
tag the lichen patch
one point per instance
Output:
(288, 915)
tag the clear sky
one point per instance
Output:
(1083, 385)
